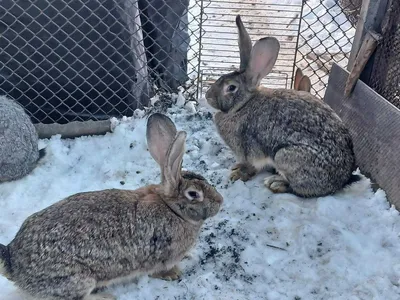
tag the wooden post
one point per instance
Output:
(74, 129)
(371, 16)
(364, 55)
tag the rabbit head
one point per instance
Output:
(301, 82)
(188, 194)
(255, 63)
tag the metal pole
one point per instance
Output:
(200, 45)
(297, 43)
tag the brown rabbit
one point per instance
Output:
(93, 239)
(294, 132)
(301, 82)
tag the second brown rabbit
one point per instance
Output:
(294, 132)
(93, 239)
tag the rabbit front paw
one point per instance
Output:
(243, 171)
(172, 274)
(277, 184)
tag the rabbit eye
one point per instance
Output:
(232, 88)
(193, 195)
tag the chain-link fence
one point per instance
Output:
(326, 34)
(67, 60)
(91, 59)
(313, 35)
(385, 78)
(351, 9)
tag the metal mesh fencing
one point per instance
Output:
(385, 78)
(67, 60)
(313, 35)
(326, 34)
(351, 9)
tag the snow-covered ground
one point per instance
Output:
(260, 245)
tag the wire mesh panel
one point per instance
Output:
(326, 34)
(351, 9)
(386, 69)
(313, 34)
(220, 52)
(67, 60)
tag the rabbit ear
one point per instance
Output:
(305, 84)
(262, 60)
(245, 44)
(160, 133)
(173, 164)
(297, 78)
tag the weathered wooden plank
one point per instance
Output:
(371, 16)
(215, 45)
(293, 26)
(375, 126)
(221, 35)
(261, 17)
(261, 2)
(233, 5)
(364, 54)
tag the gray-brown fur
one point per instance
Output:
(292, 131)
(19, 151)
(92, 239)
